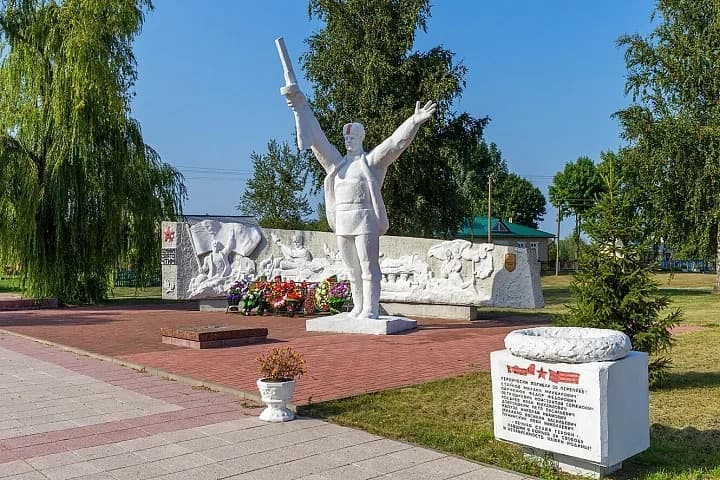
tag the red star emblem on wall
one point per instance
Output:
(542, 373)
(168, 235)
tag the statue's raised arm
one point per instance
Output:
(390, 149)
(309, 133)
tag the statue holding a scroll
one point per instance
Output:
(354, 205)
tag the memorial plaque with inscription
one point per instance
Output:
(167, 256)
(554, 407)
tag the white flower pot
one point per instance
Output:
(276, 395)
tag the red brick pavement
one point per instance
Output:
(339, 365)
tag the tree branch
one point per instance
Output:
(10, 144)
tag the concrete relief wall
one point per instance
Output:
(201, 261)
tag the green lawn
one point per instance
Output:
(13, 284)
(455, 415)
(10, 284)
(135, 296)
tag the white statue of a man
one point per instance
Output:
(354, 205)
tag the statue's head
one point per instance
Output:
(354, 134)
(216, 246)
(297, 240)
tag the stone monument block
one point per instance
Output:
(588, 417)
(212, 336)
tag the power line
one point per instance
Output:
(212, 170)
(216, 179)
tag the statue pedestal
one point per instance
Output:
(344, 323)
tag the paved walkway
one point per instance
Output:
(66, 416)
(339, 365)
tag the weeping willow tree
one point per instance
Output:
(80, 191)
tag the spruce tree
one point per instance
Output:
(613, 287)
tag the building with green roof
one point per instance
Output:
(510, 234)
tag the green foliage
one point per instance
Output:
(362, 69)
(515, 197)
(613, 288)
(320, 224)
(673, 125)
(275, 192)
(80, 191)
(568, 247)
(574, 189)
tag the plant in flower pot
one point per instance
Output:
(279, 368)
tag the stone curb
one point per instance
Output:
(14, 304)
(243, 395)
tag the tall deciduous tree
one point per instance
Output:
(362, 68)
(274, 194)
(80, 191)
(635, 189)
(574, 189)
(515, 197)
(673, 125)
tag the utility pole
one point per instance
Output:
(489, 222)
(557, 244)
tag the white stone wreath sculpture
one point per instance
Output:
(568, 344)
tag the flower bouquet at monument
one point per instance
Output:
(285, 296)
(309, 302)
(295, 297)
(278, 369)
(255, 298)
(322, 294)
(276, 295)
(339, 294)
(236, 292)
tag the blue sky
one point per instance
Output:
(548, 74)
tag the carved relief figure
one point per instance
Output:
(214, 271)
(484, 260)
(407, 272)
(452, 265)
(222, 247)
(452, 253)
(243, 268)
(297, 261)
